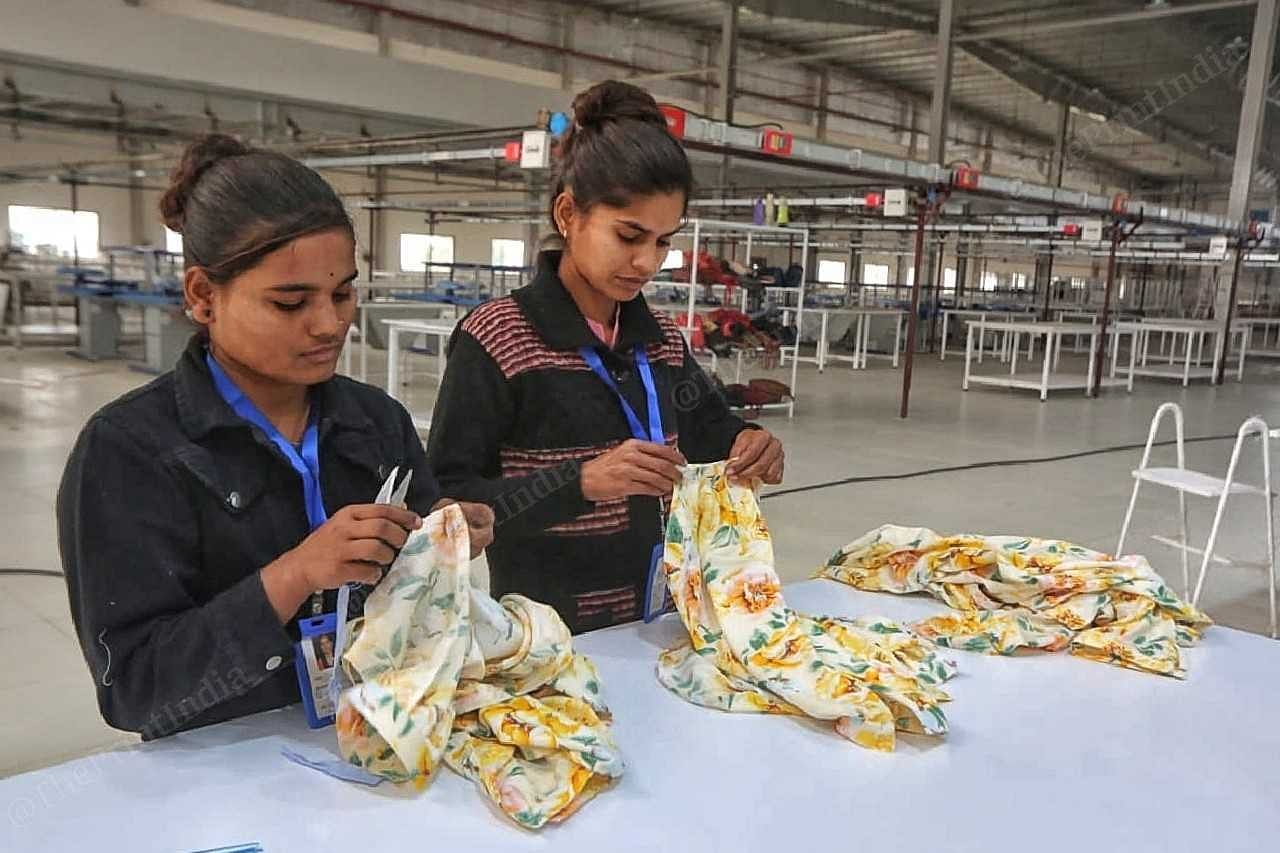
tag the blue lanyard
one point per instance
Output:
(307, 464)
(654, 433)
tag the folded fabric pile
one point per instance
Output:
(1014, 592)
(530, 730)
(749, 652)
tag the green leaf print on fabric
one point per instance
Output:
(1021, 592)
(435, 698)
(754, 654)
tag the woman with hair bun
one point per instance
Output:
(570, 407)
(202, 516)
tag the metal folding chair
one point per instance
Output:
(1186, 481)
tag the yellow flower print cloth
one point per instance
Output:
(531, 730)
(749, 652)
(1012, 592)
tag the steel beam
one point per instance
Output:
(824, 97)
(728, 77)
(1150, 13)
(1248, 144)
(940, 102)
(1059, 165)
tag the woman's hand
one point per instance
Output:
(354, 545)
(479, 523)
(632, 468)
(756, 455)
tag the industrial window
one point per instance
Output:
(989, 281)
(172, 241)
(949, 278)
(506, 253)
(911, 276)
(54, 231)
(1019, 280)
(873, 273)
(674, 260)
(831, 272)
(418, 250)
(1077, 283)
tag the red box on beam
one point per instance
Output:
(511, 152)
(675, 121)
(776, 142)
(1071, 229)
(965, 178)
(873, 200)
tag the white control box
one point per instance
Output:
(535, 150)
(895, 202)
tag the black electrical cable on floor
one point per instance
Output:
(998, 463)
(38, 572)
(875, 478)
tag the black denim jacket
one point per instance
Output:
(169, 506)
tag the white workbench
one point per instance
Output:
(861, 325)
(1193, 335)
(1264, 336)
(441, 330)
(989, 322)
(1090, 317)
(1046, 752)
(1053, 333)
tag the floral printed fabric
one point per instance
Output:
(531, 730)
(749, 652)
(1013, 592)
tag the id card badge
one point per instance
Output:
(657, 597)
(315, 661)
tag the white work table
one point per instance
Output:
(1046, 752)
(1053, 333)
(1264, 336)
(1091, 317)
(989, 322)
(862, 335)
(441, 330)
(1193, 334)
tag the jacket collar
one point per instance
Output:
(552, 311)
(201, 409)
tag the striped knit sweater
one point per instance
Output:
(518, 413)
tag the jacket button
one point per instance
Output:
(234, 500)
(273, 663)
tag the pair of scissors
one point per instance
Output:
(392, 495)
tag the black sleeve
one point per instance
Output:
(128, 540)
(707, 426)
(474, 410)
(424, 491)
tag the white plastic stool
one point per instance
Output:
(1185, 481)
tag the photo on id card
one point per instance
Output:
(314, 662)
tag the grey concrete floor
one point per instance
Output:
(846, 425)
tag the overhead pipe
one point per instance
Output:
(603, 59)
(420, 158)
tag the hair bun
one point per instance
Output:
(614, 100)
(198, 158)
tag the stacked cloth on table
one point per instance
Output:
(530, 730)
(1013, 592)
(747, 651)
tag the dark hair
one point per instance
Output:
(618, 147)
(234, 204)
